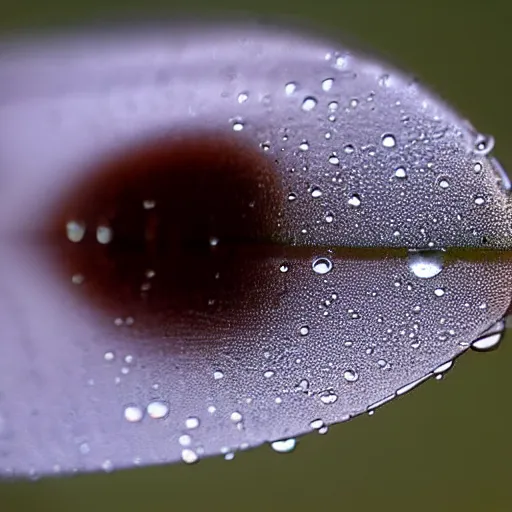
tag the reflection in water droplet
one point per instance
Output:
(284, 446)
(133, 413)
(157, 409)
(309, 104)
(322, 265)
(426, 264)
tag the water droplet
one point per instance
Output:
(350, 376)
(242, 97)
(479, 200)
(316, 424)
(75, 231)
(238, 126)
(290, 88)
(439, 292)
(443, 183)
(217, 375)
(157, 409)
(236, 417)
(316, 192)
(214, 241)
(109, 356)
(426, 264)
(327, 84)
(354, 201)
(322, 265)
(490, 339)
(133, 413)
(400, 173)
(84, 448)
(388, 140)
(304, 330)
(148, 204)
(304, 146)
(284, 446)
(309, 104)
(189, 456)
(333, 105)
(334, 160)
(478, 167)
(284, 268)
(292, 197)
(328, 397)
(349, 149)
(77, 279)
(329, 218)
(484, 144)
(104, 235)
(268, 374)
(192, 422)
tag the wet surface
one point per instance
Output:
(188, 271)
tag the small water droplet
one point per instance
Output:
(284, 446)
(309, 104)
(148, 204)
(327, 84)
(292, 197)
(133, 413)
(350, 375)
(328, 397)
(304, 330)
(109, 356)
(214, 241)
(322, 265)
(316, 424)
(75, 231)
(348, 149)
(334, 160)
(192, 423)
(290, 88)
(77, 279)
(426, 264)
(484, 144)
(284, 268)
(104, 234)
(304, 146)
(268, 374)
(354, 200)
(388, 140)
(157, 409)
(217, 375)
(189, 456)
(479, 200)
(329, 218)
(316, 192)
(443, 183)
(238, 126)
(242, 97)
(185, 440)
(400, 173)
(236, 417)
(439, 292)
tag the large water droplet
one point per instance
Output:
(426, 264)
(284, 446)
(322, 265)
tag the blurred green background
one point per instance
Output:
(444, 446)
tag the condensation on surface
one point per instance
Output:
(379, 257)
